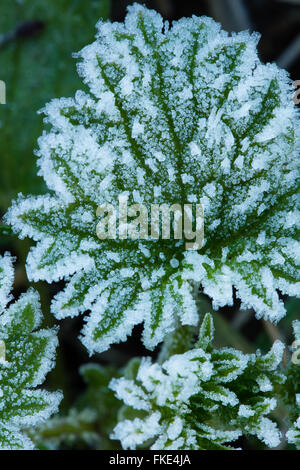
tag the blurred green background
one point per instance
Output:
(36, 45)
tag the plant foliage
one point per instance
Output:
(26, 355)
(201, 399)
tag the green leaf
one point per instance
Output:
(26, 355)
(206, 335)
(186, 114)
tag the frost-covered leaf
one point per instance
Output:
(181, 115)
(26, 355)
(292, 391)
(206, 333)
(202, 399)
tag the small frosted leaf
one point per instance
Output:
(206, 332)
(201, 399)
(27, 354)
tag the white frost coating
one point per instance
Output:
(268, 432)
(29, 355)
(175, 428)
(155, 125)
(117, 331)
(296, 327)
(265, 384)
(130, 393)
(275, 354)
(246, 411)
(6, 280)
(66, 264)
(133, 433)
(293, 435)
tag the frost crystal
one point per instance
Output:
(173, 115)
(26, 355)
(202, 399)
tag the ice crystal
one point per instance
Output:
(202, 399)
(186, 114)
(26, 355)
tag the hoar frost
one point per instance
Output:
(177, 114)
(202, 399)
(26, 355)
